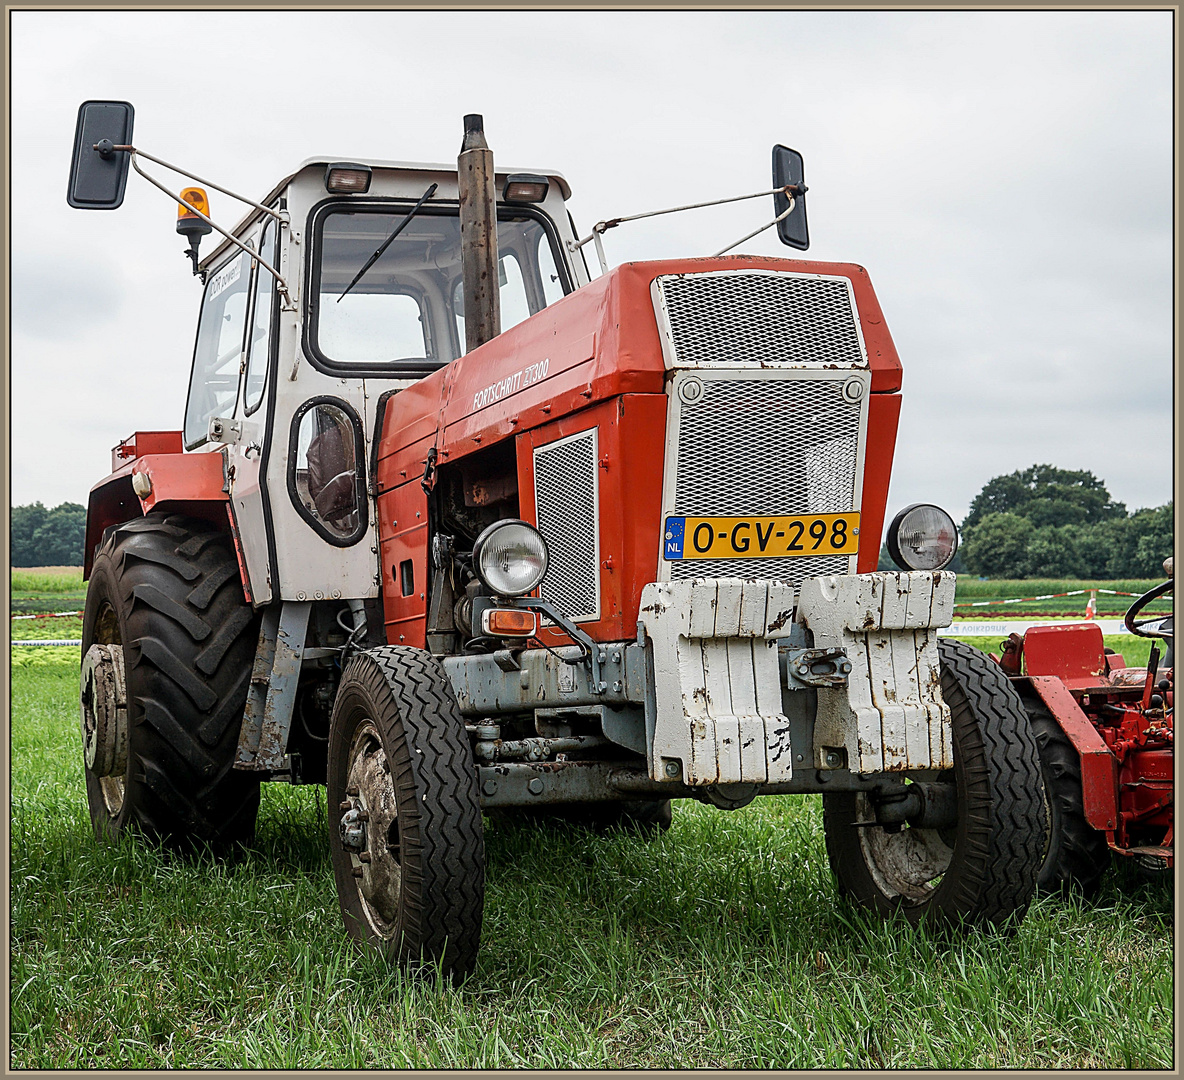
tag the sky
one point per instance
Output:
(1004, 176)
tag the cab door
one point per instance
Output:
(246, 453)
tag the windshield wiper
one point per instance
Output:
(387, 242)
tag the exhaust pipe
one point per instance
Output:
(478, 235)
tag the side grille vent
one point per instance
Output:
(566, 500)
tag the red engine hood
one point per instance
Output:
(597, 343)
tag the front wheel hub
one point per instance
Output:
(104, 710)
(370, 829)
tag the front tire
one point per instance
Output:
(983, 870)
(405, 819)
(166, 589)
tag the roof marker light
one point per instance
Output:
(346, 178)
(525, 187)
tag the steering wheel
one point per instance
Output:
(336, 499)
(1140, 628)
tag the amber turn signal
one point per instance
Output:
(508, 622)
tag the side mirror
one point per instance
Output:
(788, 168)
(98, 177)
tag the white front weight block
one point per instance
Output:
(717, 685)
(104, 710)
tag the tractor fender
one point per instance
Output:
(1099, 767)
(191, 484)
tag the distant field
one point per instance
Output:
(971, 589)
(47, 588)
(51, 579)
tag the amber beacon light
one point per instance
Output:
(194, 202)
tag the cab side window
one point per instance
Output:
(325, 472)
(218, 353)
(259, 346)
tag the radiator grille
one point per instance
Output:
(766, 446)
(770, 318)
(565, 499)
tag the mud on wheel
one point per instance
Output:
(405, 819)
(981, 871)
(167, 642)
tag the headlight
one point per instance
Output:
(922, 537)
(510, 557)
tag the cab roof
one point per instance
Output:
(374, 163)
(426, 166)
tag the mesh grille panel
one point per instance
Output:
(566, 511)
(761, 447)
(771, 318)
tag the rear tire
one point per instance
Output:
(1078, 855)
(405, 818)
(167, 589)
(983, 870)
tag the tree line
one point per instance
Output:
(41, 537)
(1045, 522)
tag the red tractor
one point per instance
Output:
(1105, 737)
(451, 526)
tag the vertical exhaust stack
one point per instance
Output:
(478, 235)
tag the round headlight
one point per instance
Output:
(510, 557)
(922, 537)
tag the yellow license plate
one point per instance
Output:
(760, 537)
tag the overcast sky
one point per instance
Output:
(1005, 177)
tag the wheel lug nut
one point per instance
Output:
(358, 871)
(345, 804)
(364, 856)
(363, 815)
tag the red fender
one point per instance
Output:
(192, 484)
(1099, 775)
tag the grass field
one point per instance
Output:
(47, 579)
(722, 944)
(971, 589)
(47, 588)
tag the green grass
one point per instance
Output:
(721, 945)
(47, 588)
(48, 579)
(64, 627)
(972, 589)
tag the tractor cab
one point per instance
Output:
(290, 372)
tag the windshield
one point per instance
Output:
(407, 311)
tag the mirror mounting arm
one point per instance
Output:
(280, 283)
(280, 216)
(602, 227)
